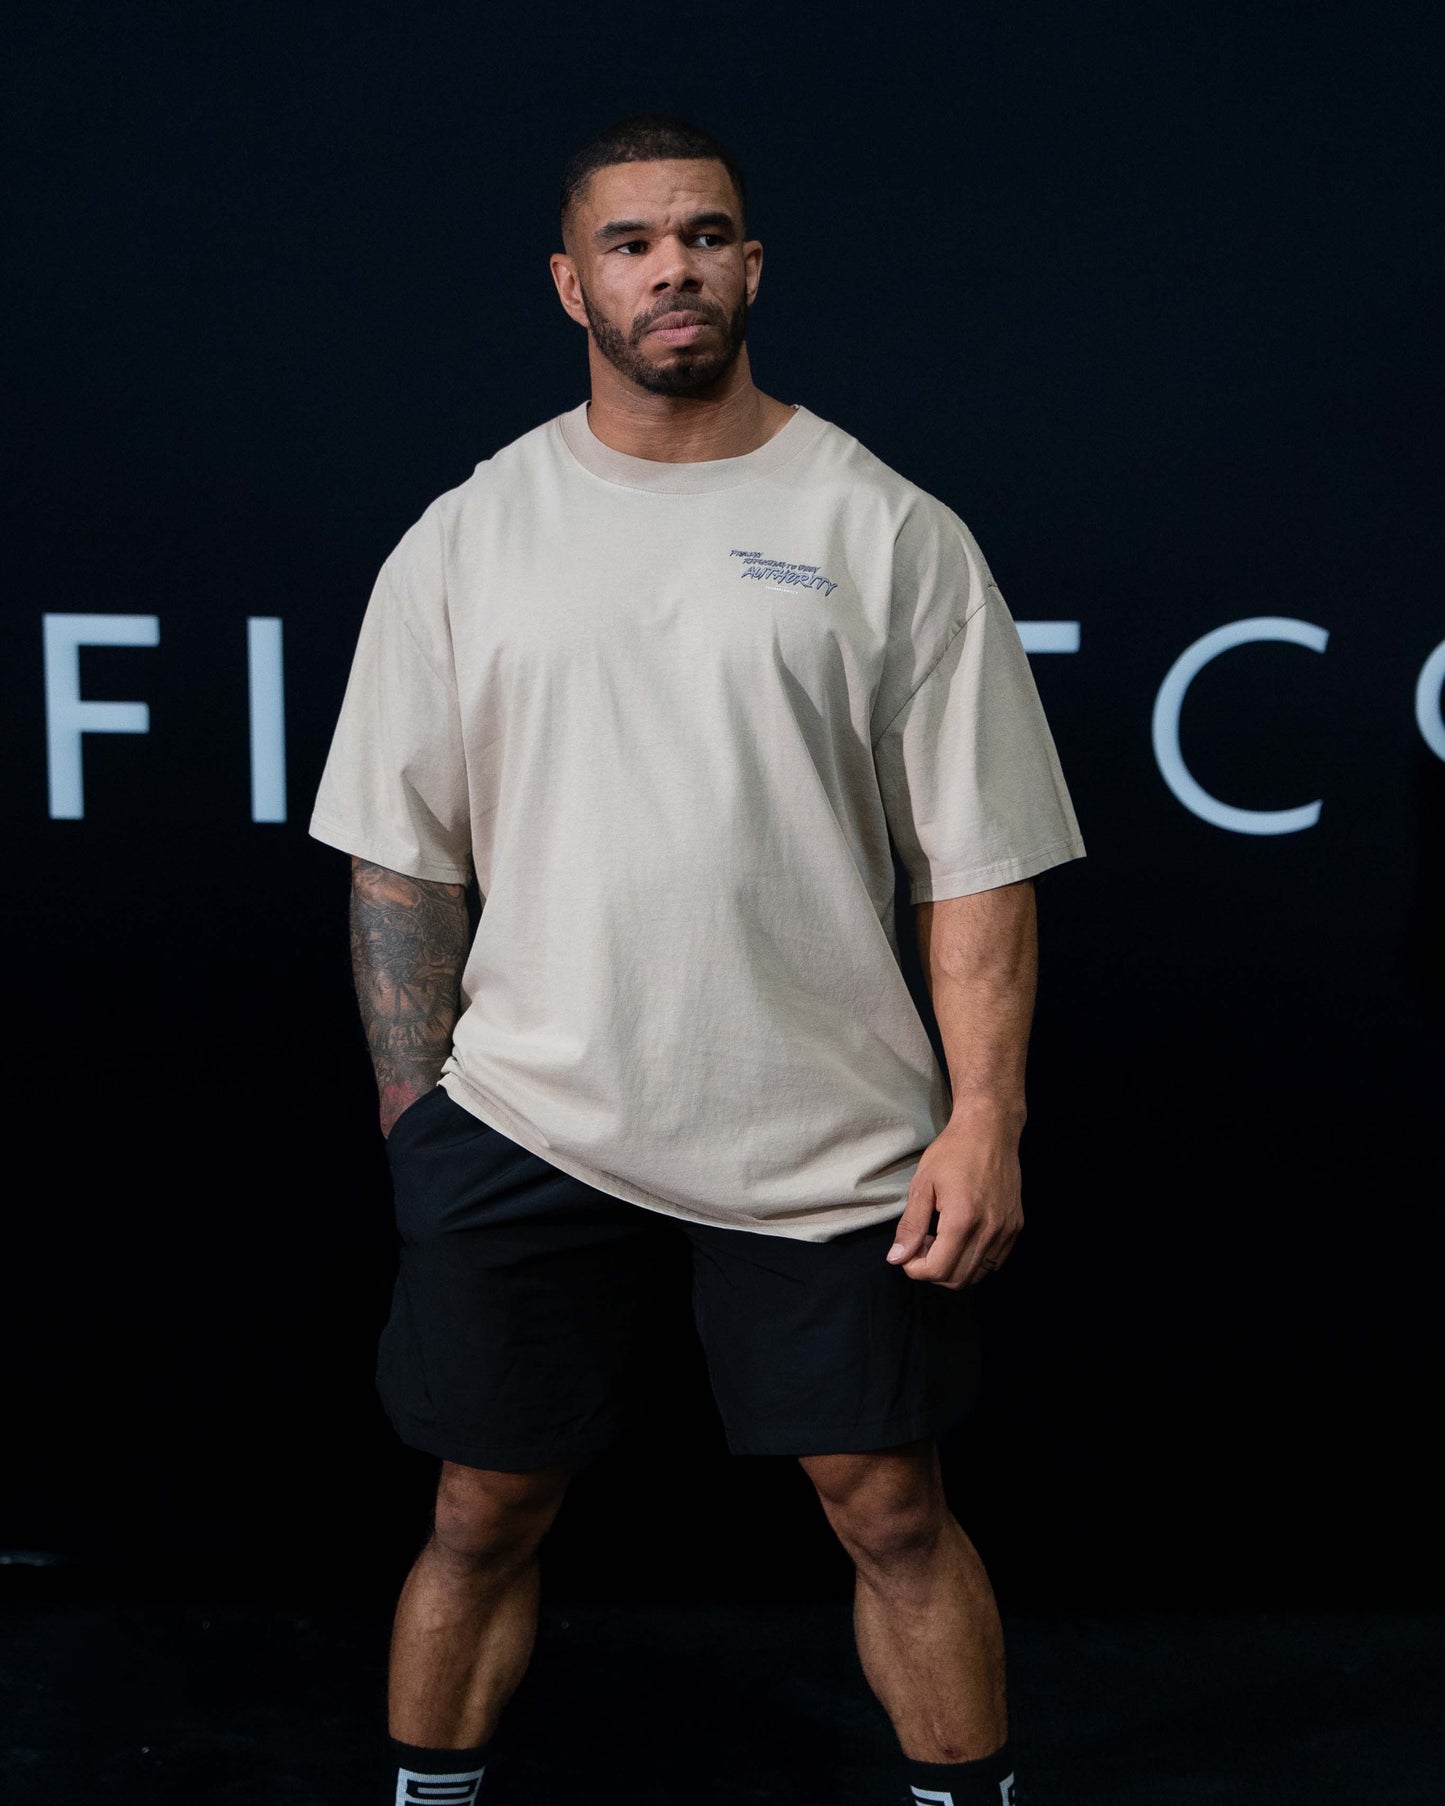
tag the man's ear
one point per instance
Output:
(748, 246)
(564, 275)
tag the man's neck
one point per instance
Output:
(685, 429)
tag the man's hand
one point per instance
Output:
(970, 1175)
(980, 959)
(393, 1101)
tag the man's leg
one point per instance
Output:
(928, 1629)
(466, 1621)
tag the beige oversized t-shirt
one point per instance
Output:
(670, 715)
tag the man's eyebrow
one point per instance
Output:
(630, 228)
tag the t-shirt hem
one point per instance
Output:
(382, 852)
(486, 1109)
(939, 886)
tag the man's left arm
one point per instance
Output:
(980, 961)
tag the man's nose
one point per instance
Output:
(678, 267)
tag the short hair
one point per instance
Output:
(644, 138)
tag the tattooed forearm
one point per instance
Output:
(408, 948)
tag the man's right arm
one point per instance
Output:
(409, 939)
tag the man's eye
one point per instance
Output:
(629, 243)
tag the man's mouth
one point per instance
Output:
(679, 328)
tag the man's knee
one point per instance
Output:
(485, 1515)
(884, 1504)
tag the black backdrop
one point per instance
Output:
(1142, 293)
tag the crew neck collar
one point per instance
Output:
(692, 478)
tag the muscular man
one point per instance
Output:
(671, 677)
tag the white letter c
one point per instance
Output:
(1170, 701)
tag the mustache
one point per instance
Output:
(712, 315)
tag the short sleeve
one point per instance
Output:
(969, 775)
(394, 787)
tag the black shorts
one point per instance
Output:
(519, 1332)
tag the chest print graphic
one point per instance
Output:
(778, 573)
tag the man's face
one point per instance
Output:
(657, 241)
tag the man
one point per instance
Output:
(670, 676)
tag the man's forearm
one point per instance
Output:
(408, 949)
(980, 959)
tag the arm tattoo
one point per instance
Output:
(408, 947)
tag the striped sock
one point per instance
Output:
(988, 1781)
(426, 1777)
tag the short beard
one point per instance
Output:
(685, 373)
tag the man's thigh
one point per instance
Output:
(524, 1300)
(823, 1348)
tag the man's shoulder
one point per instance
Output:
(499, 480)
(842, 456)
(517, 462)
(878, 495)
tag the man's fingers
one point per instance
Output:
(972, 1258)
(993, 1257)
(914, 1225)
(939, 1259)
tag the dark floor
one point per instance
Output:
(174, 1702)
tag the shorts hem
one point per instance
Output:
(433, 1439)
(850, 1439)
